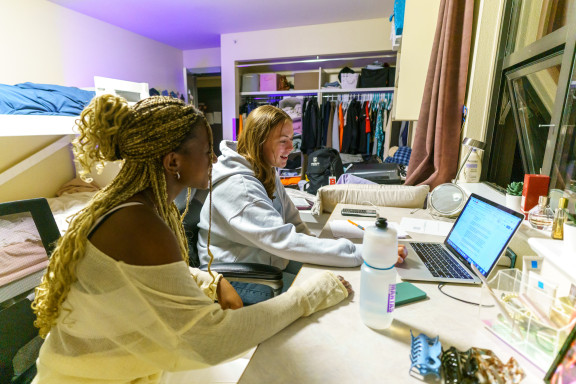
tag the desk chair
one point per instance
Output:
(241, 272)
(18, 336)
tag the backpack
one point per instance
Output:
(322, 164)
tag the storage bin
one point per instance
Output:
(251, 82)
(349, 80)
(537, 322)
(306, 80)
(268, 82)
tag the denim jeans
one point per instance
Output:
(252, 293)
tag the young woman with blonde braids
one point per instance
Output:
(253, 220)
(118, 302)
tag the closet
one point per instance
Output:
(318, 74)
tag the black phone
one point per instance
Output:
(358, 212)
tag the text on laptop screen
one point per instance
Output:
(481, 233)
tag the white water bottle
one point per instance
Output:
(378, 275)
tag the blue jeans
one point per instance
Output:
(252, 293)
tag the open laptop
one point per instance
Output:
(479, 236)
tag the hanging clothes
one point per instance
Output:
(330, 125)
(336, 127)
(379, 134)
(310, 126)
(340, 123)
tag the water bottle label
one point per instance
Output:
(391, 298)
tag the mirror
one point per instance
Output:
(447, 200)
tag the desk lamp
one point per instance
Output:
(448, 199)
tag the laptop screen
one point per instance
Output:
(482, 232)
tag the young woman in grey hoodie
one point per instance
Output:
(253, 219)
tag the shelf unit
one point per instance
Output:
(318, 92)
(327, 67)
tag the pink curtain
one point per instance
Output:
(434, 158)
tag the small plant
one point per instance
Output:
(571, 219)
(515, 188)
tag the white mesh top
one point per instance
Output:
(125, 323)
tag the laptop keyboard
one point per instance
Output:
(439, 262)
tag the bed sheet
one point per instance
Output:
(21, 250)
(63, 207)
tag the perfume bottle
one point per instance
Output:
(559, 219)
(541, 216)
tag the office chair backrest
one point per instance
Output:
(16, 316)
(191, 221)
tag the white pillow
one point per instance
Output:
(402, 196)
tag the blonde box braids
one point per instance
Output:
(112, 130)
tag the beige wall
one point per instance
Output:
(420, 19)
(323, 39)
(482, 67)
(46, 43)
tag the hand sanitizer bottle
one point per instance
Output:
(378, 275)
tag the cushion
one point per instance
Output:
(402, 196)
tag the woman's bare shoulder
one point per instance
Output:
(138, 236)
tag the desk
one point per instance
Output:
(334, 346)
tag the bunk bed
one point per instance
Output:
(29, 109)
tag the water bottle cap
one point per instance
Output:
(382, 223)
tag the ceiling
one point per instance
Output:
(196, 24)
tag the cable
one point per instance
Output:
(440, 285)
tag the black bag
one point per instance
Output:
(322, 164)
(375, 78)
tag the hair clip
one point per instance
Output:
(451, 366)
(425, 356)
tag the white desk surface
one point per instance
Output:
(334, 346)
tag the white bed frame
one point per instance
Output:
(46, 125)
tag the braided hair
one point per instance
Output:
(140, 135)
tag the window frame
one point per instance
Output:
(508, 66)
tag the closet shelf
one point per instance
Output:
(323, 90)
(357, 90)
(279, 93)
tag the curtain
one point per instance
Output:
(434, 158)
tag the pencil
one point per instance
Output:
(353, 223)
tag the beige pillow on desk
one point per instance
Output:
(402, 196)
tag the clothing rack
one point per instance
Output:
(359, 95)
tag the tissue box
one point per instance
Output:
(251, 82)
(268, 82)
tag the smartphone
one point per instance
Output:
(358, 212)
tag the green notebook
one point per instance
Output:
(408, 293)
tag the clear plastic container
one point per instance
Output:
(378, 275)
(536, 321)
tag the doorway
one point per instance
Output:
(205, 92)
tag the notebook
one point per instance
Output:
(479, 236)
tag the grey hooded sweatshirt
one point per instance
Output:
(249, 227)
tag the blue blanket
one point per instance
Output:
(42, 99)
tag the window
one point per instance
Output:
(532, 117)
(564, 170)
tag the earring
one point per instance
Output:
(177, 175)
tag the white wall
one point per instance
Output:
(46, 43)
(202, 58)
(324, 39)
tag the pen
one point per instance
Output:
(353, 223)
